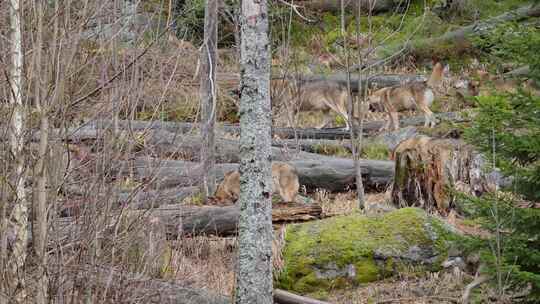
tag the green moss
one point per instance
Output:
(375, 150)
(366, 271)
(353, 240)
(335, 150)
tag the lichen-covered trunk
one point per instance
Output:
(254, 276)
(208, 97)
(19, 213)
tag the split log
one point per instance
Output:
(426, 169)
(330, 173)
(460, 38)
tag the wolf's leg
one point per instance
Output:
(386, 125)
(394, 117)
(429, 117)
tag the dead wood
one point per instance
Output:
(334, 5)
(78, 198)
(170, 134)
(426, 170)
(375, 81)
(519, 72)
(285, 297)
(125, 287)
(330, 173)
(180, 220)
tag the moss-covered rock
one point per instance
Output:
(354, 249)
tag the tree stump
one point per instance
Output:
(427, 169)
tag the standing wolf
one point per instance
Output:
(322, 95)
(416, 95)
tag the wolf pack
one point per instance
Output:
(330, 97)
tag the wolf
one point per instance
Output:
(321, 95)
(415, 95)
(284, 181)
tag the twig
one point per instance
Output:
(102, 86)
(294, 7)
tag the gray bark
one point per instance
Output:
(254, 277)
(208, 97)
(40, 195)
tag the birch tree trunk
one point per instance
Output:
(19, 213)
(208, 97)
(254, 276)
(40, 214)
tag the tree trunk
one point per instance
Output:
(19, 212)
(40, 195)
(208, 97)
(427, 168)
(254, 276)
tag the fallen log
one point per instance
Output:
(180, 220)
(285, 297)
(125, 287)
(375, 81)
(519, 72)
(460, 38)
(135, 199)
(330, 173)
(334, 5)
(370, 127)
(94, 129)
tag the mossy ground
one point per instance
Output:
(352, 240)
